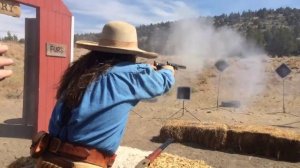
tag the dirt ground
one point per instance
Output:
(146, 119)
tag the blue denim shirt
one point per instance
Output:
(100, 119)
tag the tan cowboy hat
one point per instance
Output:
(117, 37)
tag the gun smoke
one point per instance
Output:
(198, 44)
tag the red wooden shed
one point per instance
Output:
(48, 51)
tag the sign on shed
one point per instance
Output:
(10, 7)
(56, 50)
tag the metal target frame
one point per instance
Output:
(221, 65)
(183, 93)
(283, 71)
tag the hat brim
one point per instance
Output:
(90, 45)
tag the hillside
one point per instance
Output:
(275, 31)
(263, 19)
(259, 92)
(278, 31)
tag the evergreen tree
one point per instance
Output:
(282, 42)
(257, 36)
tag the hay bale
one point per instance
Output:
(207, 134)
(255, 140)
(172, 161)
(264, 141)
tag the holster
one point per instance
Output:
(39, 144)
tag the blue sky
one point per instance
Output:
(153, 11)
(91, 15)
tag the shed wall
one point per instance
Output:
(54, 20)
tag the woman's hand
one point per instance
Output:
(169, 67)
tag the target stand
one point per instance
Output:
(183, 93)
(220, 65)
(283, 71)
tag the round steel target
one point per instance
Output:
(221, 65)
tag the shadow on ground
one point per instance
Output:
(15, 128)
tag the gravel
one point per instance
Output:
(128, 157)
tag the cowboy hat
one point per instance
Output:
(117, 37)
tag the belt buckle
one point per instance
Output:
(55, 145)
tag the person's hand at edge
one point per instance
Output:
(4, 62)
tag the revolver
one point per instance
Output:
(175, 66)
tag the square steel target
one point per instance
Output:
(283, 70)
(184, 93)
(221, 65)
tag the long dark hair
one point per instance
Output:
(84, 71)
